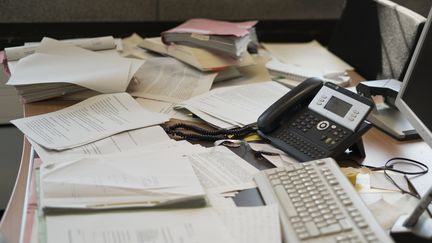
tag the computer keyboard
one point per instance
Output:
(318, 204)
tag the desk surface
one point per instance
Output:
(379, 148)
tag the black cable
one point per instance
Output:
(187, 131)
(389, 166)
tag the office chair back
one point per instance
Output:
(377, 37)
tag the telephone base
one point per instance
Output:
(354, 151)
(390, 120)
(419, 233)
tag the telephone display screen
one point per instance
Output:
(338, 106)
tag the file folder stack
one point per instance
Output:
(218, 36)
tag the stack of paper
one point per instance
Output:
(219, 36)
(159, 177)
(201, 59)
(235, 106)
(94, 44)
(296, 74)
(57, 68)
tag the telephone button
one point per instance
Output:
(322, 125)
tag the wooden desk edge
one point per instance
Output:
(11, 225)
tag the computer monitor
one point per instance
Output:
(415, 97)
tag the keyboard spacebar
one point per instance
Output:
(285, 201)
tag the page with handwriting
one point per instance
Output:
(90, 120)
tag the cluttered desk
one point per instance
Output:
(108, 158)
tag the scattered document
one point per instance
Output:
(199, 58)
(57, 62)
(131, 48)
(300, 74)
(167, 79)
(239, 105)
(165, 108)
(309, 55)
(253, 224)
(221, 170)
(90, 120)
(217, 200)
(94, 44)
(161, 226)
(209, 118)
(132, 179)
(378, 180)
(275, 156)
(57, 68)
(121, 142)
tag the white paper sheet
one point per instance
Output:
(164, 108)
(208, 118)
(217, 200)
(240, 104)
(117, 143)
(57, 62)
(309, 54)
(161, 226)
(275, 156)
(220, 170)
(379, 181)
(167, 79)
(252, 224)
(93, 119)
(121, 180)
(94, 44)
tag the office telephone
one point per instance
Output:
(316, 120)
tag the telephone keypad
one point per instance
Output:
(301, 144)
(326, 134)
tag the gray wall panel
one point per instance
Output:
(25, 11)
(174, 10)
(420, 6)
(50, 11)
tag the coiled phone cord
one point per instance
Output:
(187, 131)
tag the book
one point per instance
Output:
(201, 59)
(223, 37)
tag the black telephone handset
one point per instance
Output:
(316, 120)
